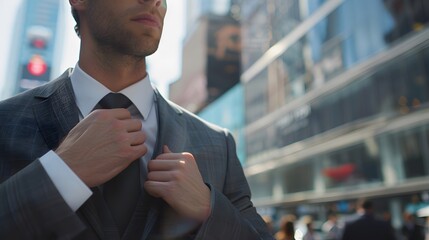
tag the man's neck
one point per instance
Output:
(114, 71)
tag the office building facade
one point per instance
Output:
(336, 103)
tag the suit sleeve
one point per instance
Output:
(32, 208)
(233, 215)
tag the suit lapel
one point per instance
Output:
(171, 132)
(57, 113)
(171, 127)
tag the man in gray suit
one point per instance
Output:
(99, 154)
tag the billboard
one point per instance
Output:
(211, 63)
(223, 57)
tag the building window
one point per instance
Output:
(298, 177)
(352, 166)
(410, 145)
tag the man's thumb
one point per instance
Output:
(166, 149)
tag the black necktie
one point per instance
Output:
(121, 192)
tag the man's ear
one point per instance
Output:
(78, 4)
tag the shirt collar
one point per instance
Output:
(89, 92)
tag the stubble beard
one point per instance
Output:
(120, 44)
(114, 38)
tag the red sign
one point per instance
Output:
(38, 43)
(340, 173)
(37, 66)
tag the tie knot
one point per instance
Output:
(114, 100)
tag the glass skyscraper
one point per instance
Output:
(35, 43)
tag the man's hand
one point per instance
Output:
(102, 145)
(175, 177)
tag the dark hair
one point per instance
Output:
(76, 18)
(367, 205)
(289, 228)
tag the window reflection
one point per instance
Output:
(352, 166)
(398, 87)
(299, 177)
(262, 183)
(410, 145)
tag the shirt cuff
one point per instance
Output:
(73, 190)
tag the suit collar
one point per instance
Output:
(89, 92)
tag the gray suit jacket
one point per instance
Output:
(36, 121)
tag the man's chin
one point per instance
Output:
(151, 52)
(148, 49)
(143, 53)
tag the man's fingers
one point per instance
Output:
(166, 149)
(164, 165)
(175, 156)
(162, 176)
(118, 113)
(155, 189)
(137, 138)
(167, 154)
(133, 125)
(139, 150)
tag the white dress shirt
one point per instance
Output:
(88, 93)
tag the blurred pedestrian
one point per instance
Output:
(269, 222)
(367, 227)
(410, 229)
(310, 234)
(427, 228)
(415, 204)
(331, 227)
(287, 228)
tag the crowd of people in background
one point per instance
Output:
(366, 223)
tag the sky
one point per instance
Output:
(164, 66)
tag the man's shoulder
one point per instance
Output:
(351, 219)
(19, 102)
(369, 220)
(26, 99)
(196, 121)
